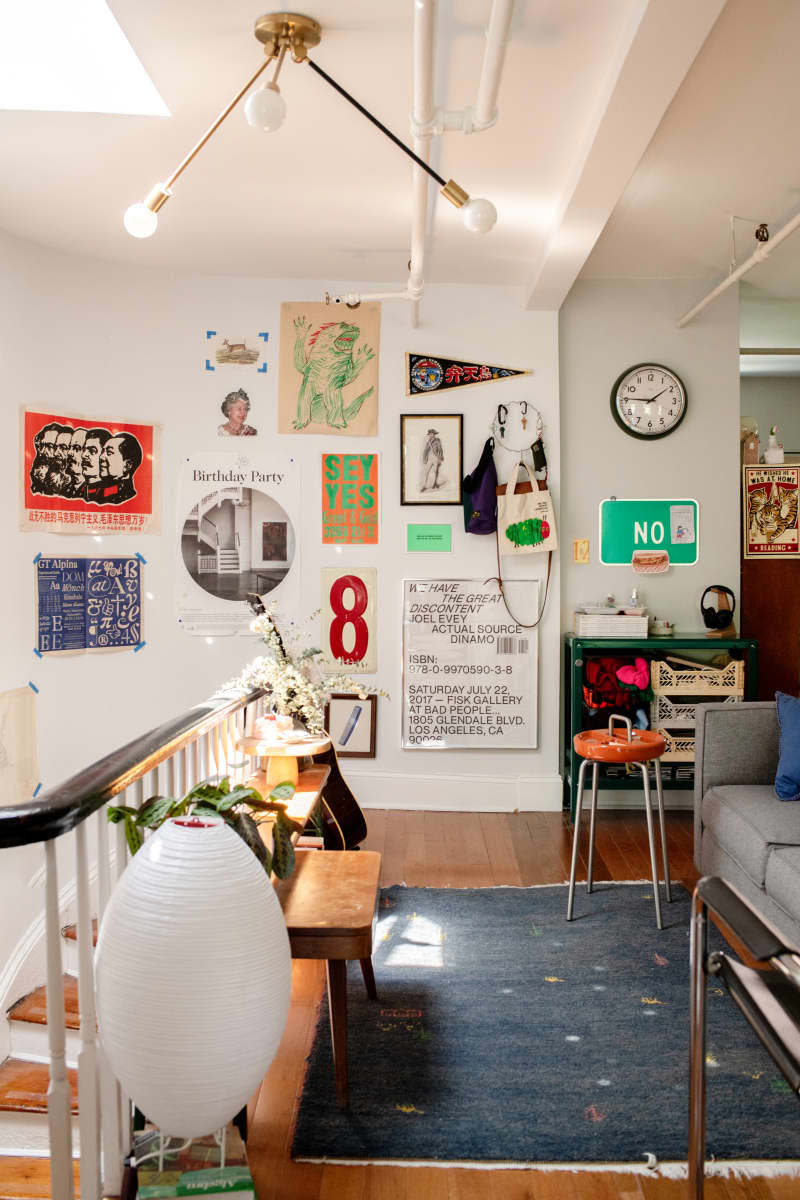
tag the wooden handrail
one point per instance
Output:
(66, 805)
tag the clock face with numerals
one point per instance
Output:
(648, 401)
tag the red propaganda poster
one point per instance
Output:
(88, 474)
(770, 511)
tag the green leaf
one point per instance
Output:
(241, 795)
(283, 791)
(154, 811)
(282, 848)
(133, 836)
(204, 809)
(247, 829)
(120, 812)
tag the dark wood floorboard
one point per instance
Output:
(469, 850)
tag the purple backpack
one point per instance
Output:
(479, 494)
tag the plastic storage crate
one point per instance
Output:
(695, 681)
(680, 748)
(679, 714)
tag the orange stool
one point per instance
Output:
(640, 747)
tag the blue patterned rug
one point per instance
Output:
(503, 1034)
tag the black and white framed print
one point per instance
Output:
(431, 458)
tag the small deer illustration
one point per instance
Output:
(234, 347)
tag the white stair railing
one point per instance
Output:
(173, 758)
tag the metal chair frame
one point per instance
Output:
(769, 999)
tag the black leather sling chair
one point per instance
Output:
(768, 998)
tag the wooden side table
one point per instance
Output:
(282, 755)
(330, 903)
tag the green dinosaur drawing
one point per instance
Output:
(326, 361)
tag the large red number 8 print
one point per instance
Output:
(349, 616)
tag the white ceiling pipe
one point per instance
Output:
(353, 299)
(485, 107)
(758, 255)
(422, 112)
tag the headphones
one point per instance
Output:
(714, 618)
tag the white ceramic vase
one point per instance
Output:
(193, 973)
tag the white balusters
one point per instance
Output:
(58, 1094)
(88, 1097)
(122, 1108)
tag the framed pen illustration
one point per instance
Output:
(431, 458)
(352, 724)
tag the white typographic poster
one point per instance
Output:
(349, 605)
(469, 671)
(19, 762)
(237, 538)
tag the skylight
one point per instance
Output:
(71, 57)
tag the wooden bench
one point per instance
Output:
(330, 903)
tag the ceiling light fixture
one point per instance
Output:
(265, 109)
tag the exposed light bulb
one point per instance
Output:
(479, 216)
(140, 221)
(265, 108)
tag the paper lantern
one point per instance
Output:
(193, 974)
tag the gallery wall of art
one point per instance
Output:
(98, 340)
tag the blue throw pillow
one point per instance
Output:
(787, 781)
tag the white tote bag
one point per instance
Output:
(526, 522)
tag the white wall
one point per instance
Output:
(94, 338)
(774, 400)
(88, 336)
(606, 326)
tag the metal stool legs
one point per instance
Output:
(663, 825)
(574, 866)
(648, 810)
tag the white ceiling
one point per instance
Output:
(591, 88)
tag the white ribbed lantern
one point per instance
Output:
(193, 974)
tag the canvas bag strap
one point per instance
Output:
(498, 578)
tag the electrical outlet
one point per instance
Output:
(580, 550)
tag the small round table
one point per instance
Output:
(282, 755)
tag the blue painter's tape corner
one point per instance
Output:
(38, 789)
(38, 653)
(138, 647)
(38, 556)
(265, 336)
(33, 685)
(209, 366)
(262, 370)
(141, 557)
(210, 333)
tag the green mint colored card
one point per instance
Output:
(430, 537)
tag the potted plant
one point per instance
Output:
(243, 808)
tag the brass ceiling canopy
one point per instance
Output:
(289, 29)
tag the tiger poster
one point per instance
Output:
(770, 511)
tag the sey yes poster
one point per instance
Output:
(350, 499)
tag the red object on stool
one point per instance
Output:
(640, 747)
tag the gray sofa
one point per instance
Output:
(742, 831)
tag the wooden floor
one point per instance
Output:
(476, 850)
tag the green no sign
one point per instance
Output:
(628, 525)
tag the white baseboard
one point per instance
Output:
(455, 793)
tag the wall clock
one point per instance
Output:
(648, 401)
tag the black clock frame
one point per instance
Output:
(647, 437)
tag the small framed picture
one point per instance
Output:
(351, 724)
(431, 458)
